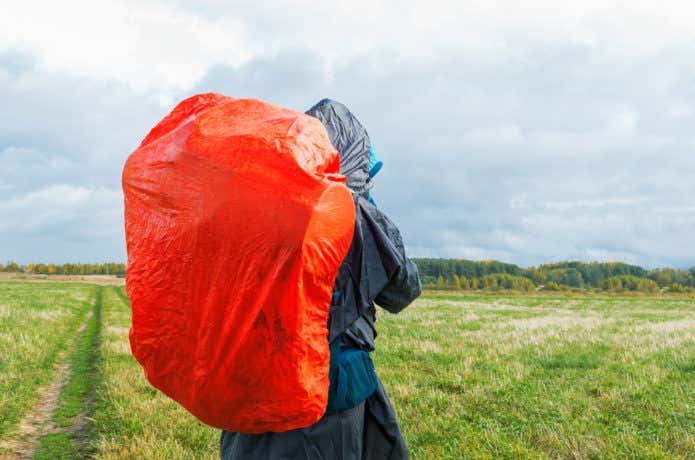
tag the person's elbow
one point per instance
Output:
(401, 291)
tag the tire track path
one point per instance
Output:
(39, 420)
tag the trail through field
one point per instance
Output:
(38, 421)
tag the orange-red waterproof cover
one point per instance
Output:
(236, 222)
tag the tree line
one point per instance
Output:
(605, 276)
(108, 268)
(463, 274)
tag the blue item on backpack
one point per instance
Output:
(352, 377)
(374, 163)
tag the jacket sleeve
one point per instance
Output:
(402, 282)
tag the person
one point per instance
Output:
(375, 270)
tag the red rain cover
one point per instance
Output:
(236, 221)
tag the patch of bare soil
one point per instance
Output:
(38, 421)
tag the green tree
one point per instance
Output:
(490, 282)
(664, 278)
(551, 286)
(12, 266)
(464, 282)
(456, 282)
(675, 287)
(538, 276)
(440, 282)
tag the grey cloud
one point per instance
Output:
(477, 158)
(63, 141)
(293, 79)
(553, 153)
(72, 119)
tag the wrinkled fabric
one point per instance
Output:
(352, 375)
(350, 138)
(376, 250)
(375, 269)
(237, 222)
(378, 268)
(366, 432)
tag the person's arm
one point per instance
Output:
(402, 282)
(403, 288)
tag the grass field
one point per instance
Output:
(503, 377)
(470, 376)
(38, 324)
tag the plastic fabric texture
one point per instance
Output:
(375, 164)
(353, 378)
(237, 221)
(375, 269)
(350, 138)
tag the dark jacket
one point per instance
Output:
(375, 269)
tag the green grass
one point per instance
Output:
(542, 377)
(471, 376)
(74, 399)
(488, 377)
(37, 322)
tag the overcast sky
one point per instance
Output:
(521, 131)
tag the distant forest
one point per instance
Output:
(491, 275)
(602, 276)
(109, 268)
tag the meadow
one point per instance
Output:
(470, 375)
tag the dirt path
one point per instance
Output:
(37, 422)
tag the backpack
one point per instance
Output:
(237, 220)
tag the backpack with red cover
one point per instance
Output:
(237, 220)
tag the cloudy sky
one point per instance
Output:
(522, 131)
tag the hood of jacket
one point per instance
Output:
(351, 140)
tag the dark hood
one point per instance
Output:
(350, 139)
